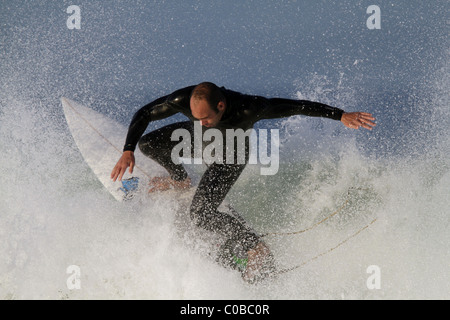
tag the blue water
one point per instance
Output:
(55, 214)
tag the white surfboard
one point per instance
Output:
(100, 141)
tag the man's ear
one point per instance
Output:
(221, 106)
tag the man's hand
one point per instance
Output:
(354, 120)
(125, 161)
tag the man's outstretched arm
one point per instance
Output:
(279, 108)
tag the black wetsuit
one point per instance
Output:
(242, 111)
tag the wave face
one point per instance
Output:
(55, 214)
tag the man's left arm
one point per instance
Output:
(280, 108)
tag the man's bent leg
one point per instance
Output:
(212, 189)
(158, 146)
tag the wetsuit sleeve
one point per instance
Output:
(156, 110)
(280, 108)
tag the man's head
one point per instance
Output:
(208, 104)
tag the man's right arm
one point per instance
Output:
(156, 110)
(159, 109)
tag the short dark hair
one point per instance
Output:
(210, 92)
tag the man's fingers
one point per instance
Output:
(361, 119)
(118, 172)
(114, 174)
(367, 115)
(367, 119)
(122, 172)
(366, 126)
(131, 167)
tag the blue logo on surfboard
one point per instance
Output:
(129, 186)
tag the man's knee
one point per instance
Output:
(153, 146)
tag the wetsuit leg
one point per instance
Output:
(158, 146)
(213, 187)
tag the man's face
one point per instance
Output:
(206, 115)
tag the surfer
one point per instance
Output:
(222, 109)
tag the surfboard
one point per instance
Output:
(100, 140)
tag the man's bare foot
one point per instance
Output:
(259, 264)
(166, 183)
